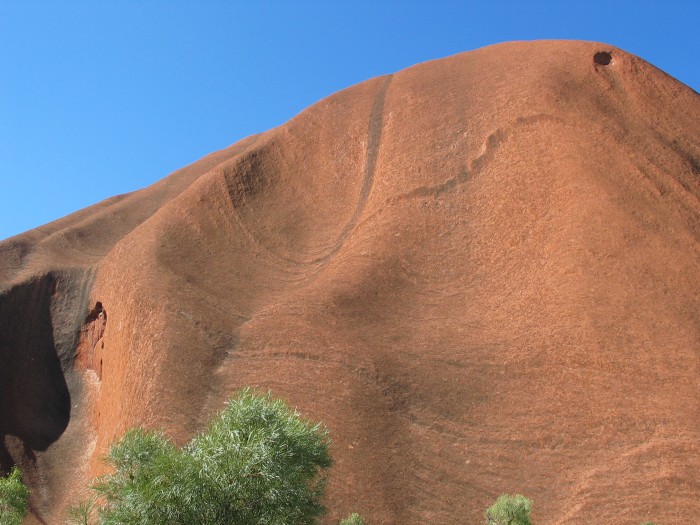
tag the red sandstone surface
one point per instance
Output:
(482, 273)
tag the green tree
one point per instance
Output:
(258, 463)
(14, 497)
(509, 510)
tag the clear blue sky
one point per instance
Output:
(100, 98)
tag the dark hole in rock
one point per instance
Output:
(97, 312)
(602, 58)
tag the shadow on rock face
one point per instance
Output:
(34, 397)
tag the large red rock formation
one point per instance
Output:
(482, 273)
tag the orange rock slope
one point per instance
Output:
(482, 273)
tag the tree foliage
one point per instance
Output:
(509, 510)
(258, 463)
(14, 497)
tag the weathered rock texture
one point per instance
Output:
(482, 273)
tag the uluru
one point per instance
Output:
(481, 273)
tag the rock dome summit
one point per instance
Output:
(482, 273)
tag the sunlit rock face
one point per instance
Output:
(481, 273)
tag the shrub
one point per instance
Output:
(258, 463)
(509, 510)
(353, 519)
(14, 496)
(84, 513)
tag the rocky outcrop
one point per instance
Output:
(482, 273)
